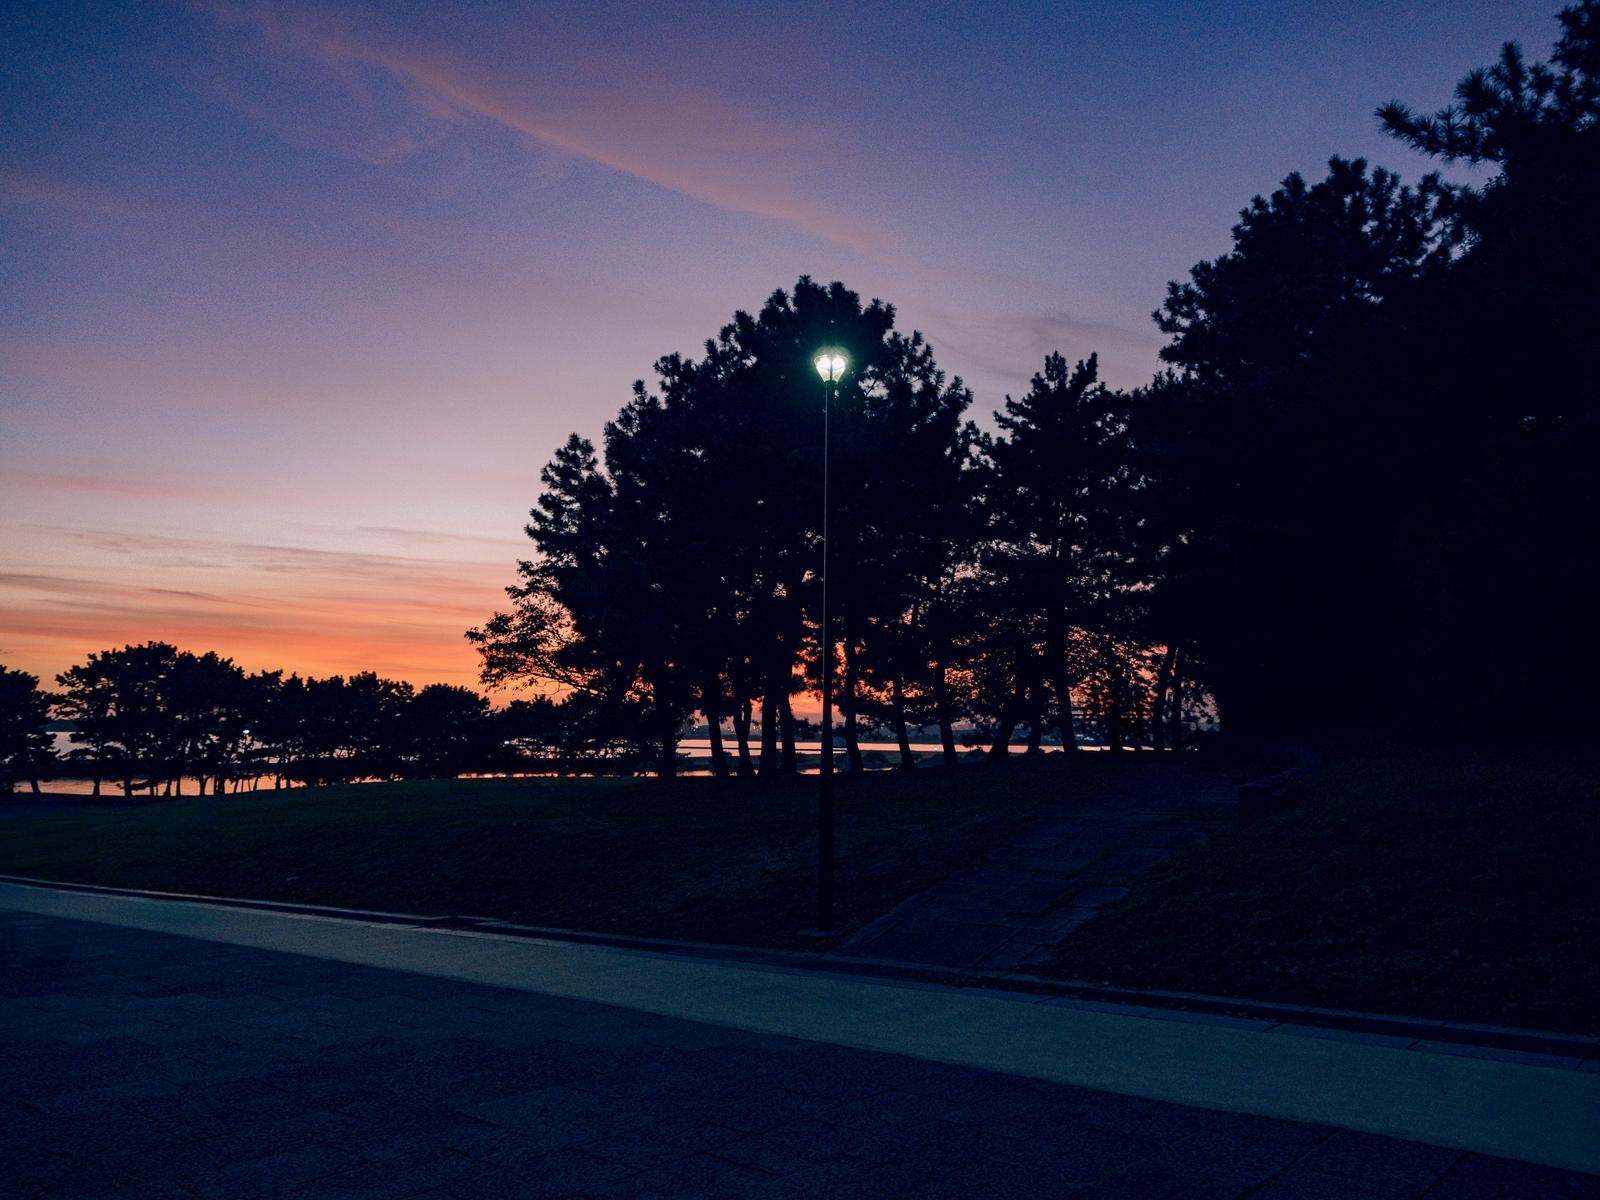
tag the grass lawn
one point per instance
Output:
(698, 859)
(1463, 885)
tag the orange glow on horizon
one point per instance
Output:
(318, 613)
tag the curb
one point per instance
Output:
(1378, 1028)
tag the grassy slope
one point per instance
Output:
(694, 859)
(1463, 885)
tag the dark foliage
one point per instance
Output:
(150, 717)
(1360, 496)
(971, 579)
(1381, 424)
(26, 747)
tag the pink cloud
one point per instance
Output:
(603, 108)
(100, 485)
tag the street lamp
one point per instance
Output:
(830, 365)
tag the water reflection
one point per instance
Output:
(694, 759)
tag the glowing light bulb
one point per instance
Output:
(830, 365)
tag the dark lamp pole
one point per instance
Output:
(830, 365)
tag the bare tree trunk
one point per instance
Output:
(908, 760)
(941, 709)
(1069, 733)
(1037, 710)
(1001, 745)
(667, 766)
(1061, 678)
(33, 784)
(789, 760)
(769, 733)
(1117, 708)
(847, 702)
(1158, 704)
(712, 708)
(1175, 717)
(741, 735)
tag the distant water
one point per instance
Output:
(112, 789)
(694, 758)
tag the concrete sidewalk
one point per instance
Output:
(1533, 1113)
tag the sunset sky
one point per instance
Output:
(298, 298)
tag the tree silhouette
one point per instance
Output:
(118, 702)
(1058, 486)
(676, 571)
(1278, 457)
(445, 732)
(26, 747)
(207, 702)
(1505, 344)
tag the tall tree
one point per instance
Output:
(677, 570)
(446, 732)
(1280, 455)
(1059, 483)
(206, 713)
(118, 701)
(1505, 347)
(26, 746)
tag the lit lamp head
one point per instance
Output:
(830, 365)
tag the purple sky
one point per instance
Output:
(300, 297)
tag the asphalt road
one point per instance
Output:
(136, 1064)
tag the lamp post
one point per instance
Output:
(830, 365)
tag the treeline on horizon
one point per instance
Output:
(1360, 495)
(149, 717)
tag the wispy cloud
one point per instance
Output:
(586, 101)
(78, 592)
(24, 190)
(104, 363)
(163, 551)
(105, 485)
(436, 537)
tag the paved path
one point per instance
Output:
(143, 1065)
(135, 1063)
(1011, 910)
